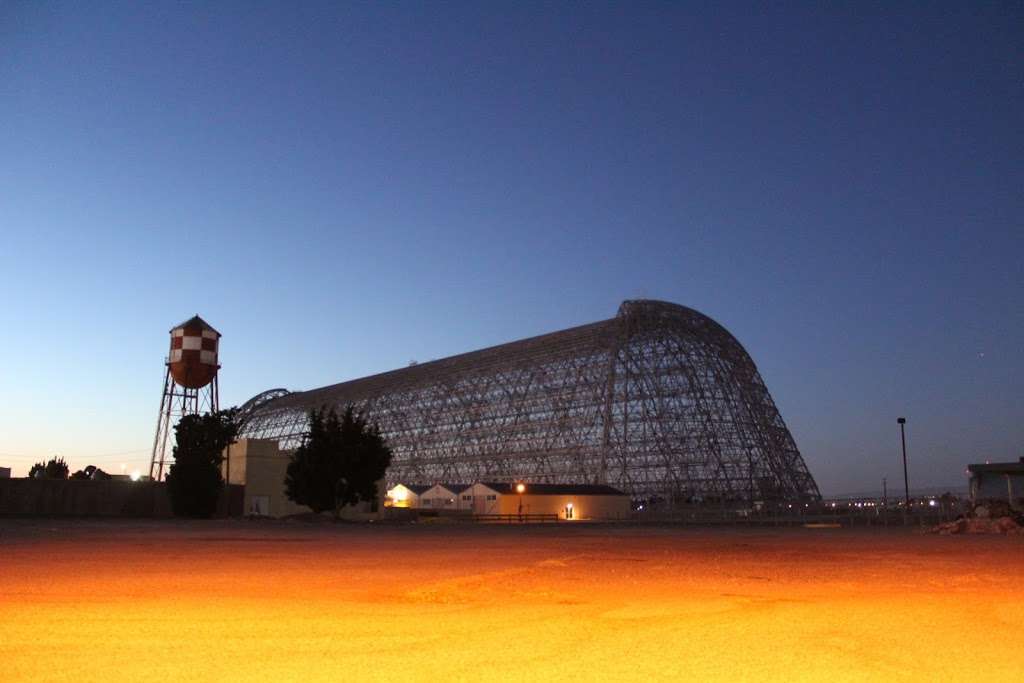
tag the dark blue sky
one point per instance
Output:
(341, 188)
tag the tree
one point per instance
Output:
(91, 472)
(338, 463)
(194, 482)
(55, 468)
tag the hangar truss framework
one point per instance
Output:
(659, 401)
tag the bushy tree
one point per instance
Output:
(91, 472)
(55, 468)
(194, 481)
(338, 463)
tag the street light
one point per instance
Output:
(903, 439)
(520, 487)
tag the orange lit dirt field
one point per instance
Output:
(277, 601)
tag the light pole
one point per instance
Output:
(520, 487)
(903, 439)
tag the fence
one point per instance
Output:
(869, 516)
(88, 498)
(510, 519)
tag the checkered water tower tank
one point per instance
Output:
(193, 357)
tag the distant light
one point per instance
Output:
(520, 488)
(933, 502)
(399, 493)
(135, 475)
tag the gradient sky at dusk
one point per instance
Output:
(342, 188)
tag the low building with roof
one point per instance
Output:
(405, 495)
(997, 480)
(566, 501)
(443, 497)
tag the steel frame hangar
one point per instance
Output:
(659, 401)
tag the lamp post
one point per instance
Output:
(903, 439)
(520, 487)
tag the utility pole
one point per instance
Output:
(903, 438)
(885, 493)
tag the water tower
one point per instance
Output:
(190, 384)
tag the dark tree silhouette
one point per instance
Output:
(194, 481)
(91, 472)
(339, 462)
(55, 468)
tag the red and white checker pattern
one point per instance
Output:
(194, 345)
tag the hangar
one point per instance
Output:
(659, 401)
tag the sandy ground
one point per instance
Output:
(275, 601)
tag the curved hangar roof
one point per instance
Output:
(660, 401)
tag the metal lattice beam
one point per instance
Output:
(660, 401)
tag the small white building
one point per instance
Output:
(405, 495)
(443, 497)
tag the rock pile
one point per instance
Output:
(1000, 519)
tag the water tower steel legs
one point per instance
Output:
(176, 402)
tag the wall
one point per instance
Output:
(25, 496)
(993, 485)
(260, 466)
(584, 507)
(480, 504)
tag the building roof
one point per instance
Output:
(196, 322)
(454, 488)
(506, 487)
(415, 488)
(997, 467)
